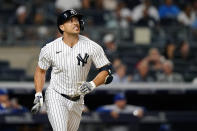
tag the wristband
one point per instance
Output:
(38, 94)
(93, 84)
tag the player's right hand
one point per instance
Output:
(85, 87)
(38, 102)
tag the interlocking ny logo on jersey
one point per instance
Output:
(82, 60)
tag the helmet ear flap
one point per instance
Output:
(81, 23)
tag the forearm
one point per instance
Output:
(39, 79)
(100, 78)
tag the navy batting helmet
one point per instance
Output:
(66, 15)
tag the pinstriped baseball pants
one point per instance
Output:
(63, 114)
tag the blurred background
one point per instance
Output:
(152, 45)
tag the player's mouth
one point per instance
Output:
(76, 28)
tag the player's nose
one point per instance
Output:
(75, 21)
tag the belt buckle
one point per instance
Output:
(74, 97)
(71, 96)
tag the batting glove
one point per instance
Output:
(86, 87)
(38, 102)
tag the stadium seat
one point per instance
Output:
(12, 75)
(4, 64)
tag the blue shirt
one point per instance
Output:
(113, 107)
(168, 11)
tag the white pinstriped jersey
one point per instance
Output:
(70, 65)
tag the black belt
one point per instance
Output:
(76, 98)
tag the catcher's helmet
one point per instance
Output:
(66, 15)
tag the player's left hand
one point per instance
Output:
(38, 102)
(86, 87)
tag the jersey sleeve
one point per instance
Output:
(99, 58)
(44, 60)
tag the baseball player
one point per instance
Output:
(70, 57)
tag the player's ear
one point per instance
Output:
(61, 27)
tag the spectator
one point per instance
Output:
(168, 12)
(10, 106)
(145, 14)
(168, 75)
(62, 5)
(123, 14)
(5, 108)
(120, 75)
(184, 52)
(142, 72)
(120, 17)
(187, 16)
(42, 32)
(120, 106)
(43, 11)
(21, 16)
(39, 17)
(110, 4)
(116, 63)
(110, 46)
(5, 104)
(16, 107)
(169, 50)
(20, 19)
(154, 59)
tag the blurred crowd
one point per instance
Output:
(108, 13)
(115, 12)
(156, 65)
(10, 105)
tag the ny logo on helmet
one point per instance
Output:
(65, 15)
(73, 12)
(82, 60)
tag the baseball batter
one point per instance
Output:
(70, 57)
